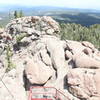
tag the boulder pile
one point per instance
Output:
(40, 58)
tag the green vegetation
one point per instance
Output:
(18, 14)
(6, 17)
(81, 33)
(20, 37)
(21, 14)
(9, 54)
(1, 26)
(83, 17)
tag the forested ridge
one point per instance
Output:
(72, 31)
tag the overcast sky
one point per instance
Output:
(90, 4)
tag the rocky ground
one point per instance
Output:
(32, 53)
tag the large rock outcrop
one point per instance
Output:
(37, 72)
(36, 56)
(84, 83)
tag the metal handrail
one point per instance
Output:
(56, 92)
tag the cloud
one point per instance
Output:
(94, 4)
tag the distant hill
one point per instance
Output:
(6, 8)
(85, 17)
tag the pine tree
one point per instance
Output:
(16, 15)
(21, 14)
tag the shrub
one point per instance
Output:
(81, 33)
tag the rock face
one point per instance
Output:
(12, 84)
(37, 73)
(86, 62)
(36, 56)
(84, 83)
(33, 26)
